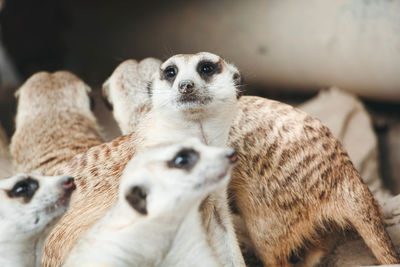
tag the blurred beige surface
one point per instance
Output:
(5, 158)
(303, 44)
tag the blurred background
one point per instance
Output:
(286, 50)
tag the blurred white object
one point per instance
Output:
(292, 44)
(5, 158)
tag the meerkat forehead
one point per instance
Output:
(186, 59)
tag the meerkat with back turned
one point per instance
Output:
(54, 122)
(156, 220)
(292, 180)
(30, 205)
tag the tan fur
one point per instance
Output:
(292, 179)
(53, 122)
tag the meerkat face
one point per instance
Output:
(199, 81)
(167, 178)
(30, 204)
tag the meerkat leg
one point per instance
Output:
(314, 255)
(221, 233)
(366, 218)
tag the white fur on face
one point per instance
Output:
(24, 217)
(168, 187)
(211, 92)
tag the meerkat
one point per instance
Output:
(293, 180)
(53, 122)
(279, 147)
(156, 220)
(30, 205)
(127, 87)
(196, 96)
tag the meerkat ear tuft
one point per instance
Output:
(17, 93)
(106, 95)
(87, 88)
(136, 197)
(237, 78)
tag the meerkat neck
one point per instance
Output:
(190, 243)
(21, 253)
(118, 242)
(163, 127)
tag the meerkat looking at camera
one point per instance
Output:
(57, 109)
(30, 205)
(156, 220)
(294, 183)
(196, 96)
(191, 95)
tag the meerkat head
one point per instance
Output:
(192, 82)
(164, 179)
(31, 204)
(53, 93)
(126, 93)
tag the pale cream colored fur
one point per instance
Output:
(278, 147)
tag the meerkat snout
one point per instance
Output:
(186, 87)
(68, 185)
(232, 156)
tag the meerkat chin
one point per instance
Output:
(30, 206)
(156, 220)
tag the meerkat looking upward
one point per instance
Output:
(156, 220)
(30, 206)
(293, 179)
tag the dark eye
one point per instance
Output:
(184, 159)
(25, 189)
(170, 72)
(206, 68)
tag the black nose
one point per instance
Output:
(232, 156)
(68, 184)
(186, 87)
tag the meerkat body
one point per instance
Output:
(195, 96)
(30, 205)
(53, 122)
(293, 180)
(156, 221)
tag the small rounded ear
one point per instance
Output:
(106, 95)
(237, 78)
(136, 197)
(17, 93)
(88, 89)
